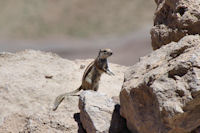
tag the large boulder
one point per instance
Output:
(161, 93)
(29, 83)
(173, 20)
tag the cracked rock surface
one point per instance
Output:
(100, 113)
(173, 20)
(161, 93)
(95, 111)
(29, 83)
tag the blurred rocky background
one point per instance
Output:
(77, 29)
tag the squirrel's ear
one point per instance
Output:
(99, 50)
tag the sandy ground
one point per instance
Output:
(30, 82)
(127, 48)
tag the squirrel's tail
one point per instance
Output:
(61, 97)
(58, 100)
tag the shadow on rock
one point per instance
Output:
(118, 123)
(77, 119)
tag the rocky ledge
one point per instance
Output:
(161, 93)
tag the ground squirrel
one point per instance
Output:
(91, 76)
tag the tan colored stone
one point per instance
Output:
(100, 113)
(173, 20)
(95, 111)
(161, 93)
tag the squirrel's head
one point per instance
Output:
(105, 53)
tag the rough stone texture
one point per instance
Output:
(29, 83)
(161, 93)
(95, 111)
(100, 114)
(173, 20)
